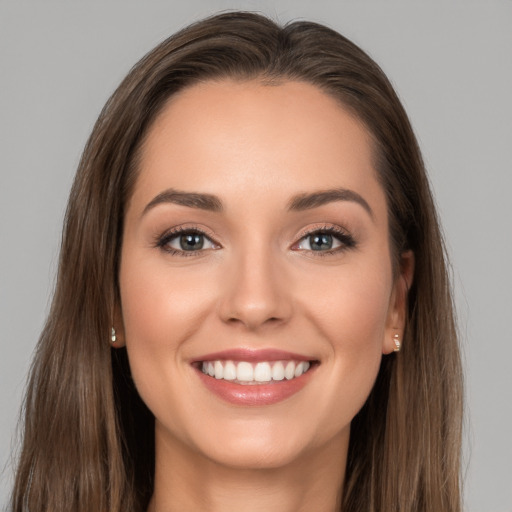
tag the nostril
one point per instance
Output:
(254, 322)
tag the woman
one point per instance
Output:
(252, 308)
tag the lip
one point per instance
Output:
(253, 355)
(254, 394)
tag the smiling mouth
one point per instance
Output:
(262, 372)
(247, 377)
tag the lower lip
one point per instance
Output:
(255, 394)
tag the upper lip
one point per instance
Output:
(252, 355)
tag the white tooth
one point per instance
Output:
(211, 369)
(289, 371)
(218, 370)
(244, 372)
(204, 368)
(278, 371)
(229, 372)
(306, 366)
(262, 372)
(299, 370)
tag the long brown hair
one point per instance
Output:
(88, 438)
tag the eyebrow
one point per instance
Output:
(316, 199)
(300, 202)
(191, 199)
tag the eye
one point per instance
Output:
(319, 242)
(327, 240)
(186, 241)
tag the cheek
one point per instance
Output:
(160, 308)
(163, 308)
(351, 315)
(160, 304)
(351, 307)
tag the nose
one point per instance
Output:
(255, 293)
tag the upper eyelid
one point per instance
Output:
(330, 228)
(178, 230)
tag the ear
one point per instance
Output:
(118, 325)
(395, 324)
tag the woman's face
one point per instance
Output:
(255, 246)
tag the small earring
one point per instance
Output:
(397, 343)
(113, 337)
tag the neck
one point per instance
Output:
(188, 481)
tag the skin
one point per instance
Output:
(258, 284)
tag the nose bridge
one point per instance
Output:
(255, 292)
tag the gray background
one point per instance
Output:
(451, 63)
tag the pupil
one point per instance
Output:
(191, 242)
(320, 242)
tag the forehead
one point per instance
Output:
(248, 138)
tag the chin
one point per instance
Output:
(256, 454)
(266, 443)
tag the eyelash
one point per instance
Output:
(346, 240)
